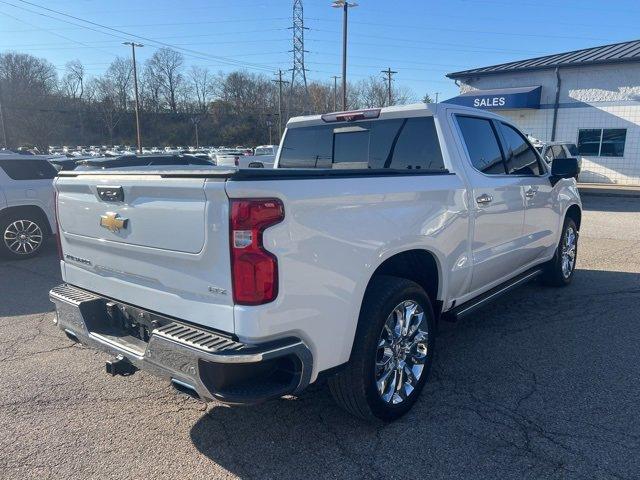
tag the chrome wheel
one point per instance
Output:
(569, 247)
(402, 352)
(23, 237)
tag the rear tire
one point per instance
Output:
(389, 363)
(559, 270)
(21, 236)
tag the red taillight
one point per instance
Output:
(254, 270)
(58, 238)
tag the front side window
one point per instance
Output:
(602, 142)
(521, 157)
(482, 144)
(399, 144)
(23, 169)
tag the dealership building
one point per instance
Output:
(589, 97)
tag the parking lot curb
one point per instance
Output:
(609, 191)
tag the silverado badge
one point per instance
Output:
(113, 222)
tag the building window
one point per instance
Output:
(602, 142)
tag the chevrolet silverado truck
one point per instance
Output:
(244, 285)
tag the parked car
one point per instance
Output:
(266, 150)
(61, 162)
(552, 150)
(142, 161)
(227, 157)
(26, 204)
(249, 284)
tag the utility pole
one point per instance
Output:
(344, 5)
(437, 93)
(196, 120)
(135, 89)
(280, 82)
(388, 72)
(335, 92)
(4, 131)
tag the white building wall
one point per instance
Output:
(605, 96)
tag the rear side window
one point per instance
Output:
(521, 158)
(482, 144)
(23, 169)
(401, 144)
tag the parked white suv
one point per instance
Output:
(249, 284)
(26, 204)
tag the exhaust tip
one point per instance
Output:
(185, 388)
(71, 336)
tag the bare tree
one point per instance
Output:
(72, 83)
(203, 87)
(107, 103)
(165, 66)
(120, 74)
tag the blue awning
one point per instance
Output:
(500, 98)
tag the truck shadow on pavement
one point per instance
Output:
(25, 284)
(531, 386)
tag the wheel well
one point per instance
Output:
(31, 211)
(419, 266)
(575, 213)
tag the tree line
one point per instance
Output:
(179, 105)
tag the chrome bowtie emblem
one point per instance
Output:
(113, 222)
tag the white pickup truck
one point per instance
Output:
(248, 284)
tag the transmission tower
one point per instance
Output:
(298, 72)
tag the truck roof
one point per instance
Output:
(398, 111)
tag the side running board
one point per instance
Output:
(472, 305)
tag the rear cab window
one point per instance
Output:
(482, 144)
(398, 144)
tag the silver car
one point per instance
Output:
(26, 204)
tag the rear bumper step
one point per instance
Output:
(215, 366)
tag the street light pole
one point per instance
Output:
(135, 89)
(335, 92)
(345, 5)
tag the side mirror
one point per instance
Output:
(564, 168)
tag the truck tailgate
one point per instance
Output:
(163, 246)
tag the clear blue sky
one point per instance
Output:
(422, 40)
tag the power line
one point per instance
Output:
(224, 60)
(57, 34)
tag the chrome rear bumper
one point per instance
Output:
(214, 365)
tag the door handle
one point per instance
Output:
(531, 192)
(484, 199)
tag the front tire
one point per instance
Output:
(392, 352)
(21, 236)
(559, 270)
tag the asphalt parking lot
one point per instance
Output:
(545, 383)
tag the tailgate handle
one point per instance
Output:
(111, 194)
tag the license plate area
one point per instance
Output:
(123, 325)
